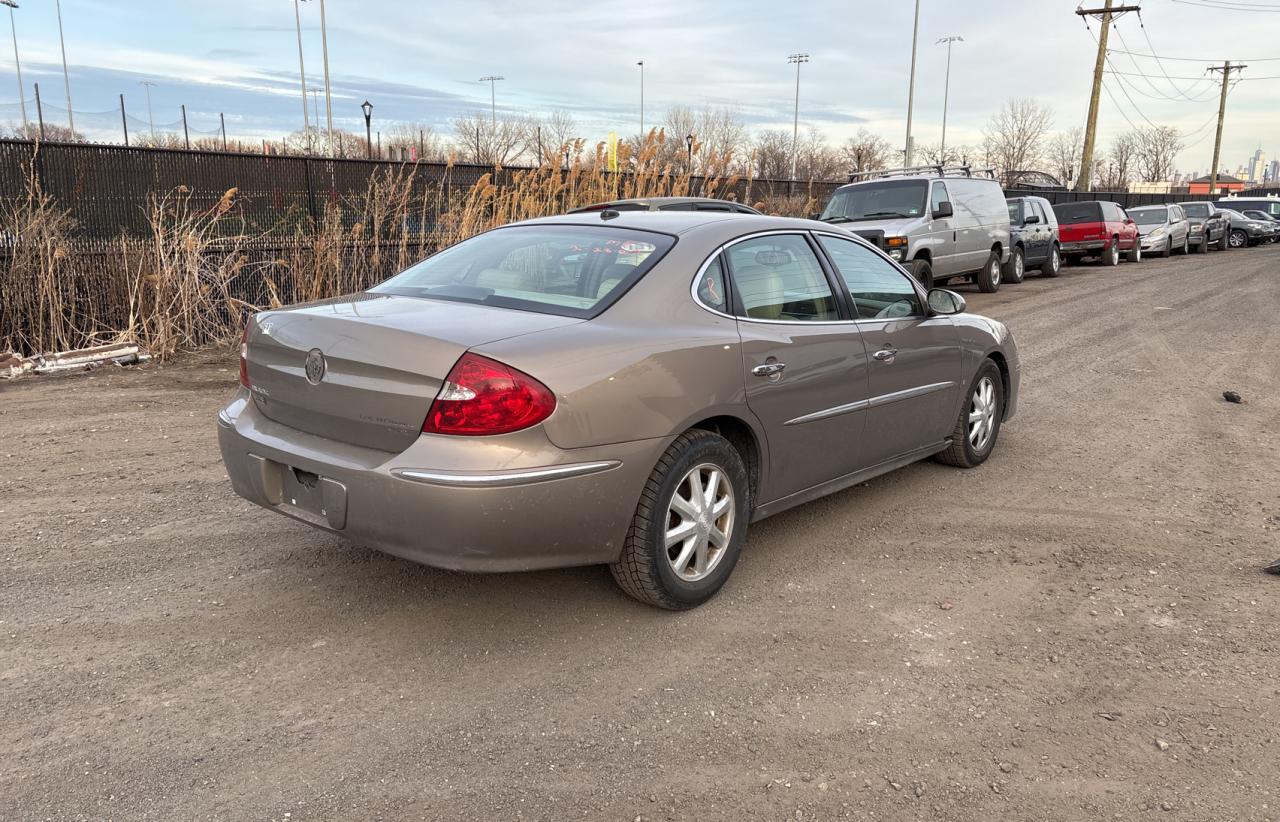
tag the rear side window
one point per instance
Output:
(574, 271)
(880, 290)
(711, 287)
(1072, 213)
(777, 277)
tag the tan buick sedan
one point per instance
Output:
(630, 389)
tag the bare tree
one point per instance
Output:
(816, 160)
(481, 140)
(771, 155)
(53, 132)
(1015, 135)
(1117, 170)
(1157, 146)
(866, 151)
(1065, 150)
(419, 140)
(721, 135)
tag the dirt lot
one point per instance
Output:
(1077, 630)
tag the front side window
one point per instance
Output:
(939, 197)
(778, 277)
(574, 271)
(880, 290)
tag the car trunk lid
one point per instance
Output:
(364, 369)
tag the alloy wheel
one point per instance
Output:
(1018, 265)
(1238, 239)
(1055, 261)
(995, 271)
(982, 414)
(699, 522)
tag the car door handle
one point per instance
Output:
(769, 369)
(885, 354)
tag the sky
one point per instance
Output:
(421, 62)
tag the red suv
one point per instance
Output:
(1097, 228)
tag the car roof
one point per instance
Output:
(659, 202)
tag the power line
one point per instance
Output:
(1230, 6)
(1195, 59)
(1142, 24)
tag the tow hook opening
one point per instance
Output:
(305, 478)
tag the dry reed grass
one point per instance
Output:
(200, 272)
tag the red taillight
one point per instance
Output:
(481, 396)
(244, 357)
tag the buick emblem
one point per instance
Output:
(315, 366)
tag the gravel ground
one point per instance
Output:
(1077, 630)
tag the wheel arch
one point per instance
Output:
(997, 356)
(745, 439)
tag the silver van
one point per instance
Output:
(940, 223)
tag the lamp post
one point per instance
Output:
(13, 27)
(688, 144)
(641, 65)
(946, 94)
(147, 84)
(493, 105)
(302, 74)
(911, 88)
(367, 107)
(66, 77)
(797, 58)
(328, 100)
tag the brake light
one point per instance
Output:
(483, 397)
(244, 357)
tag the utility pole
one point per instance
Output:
(797, 58)
(302, 72)
(493, 105)
(17, 64)
(641, 65)
(328, 100)
(911, 89)
(66, 77)
(147, 84)
(946, 94)
(1106, 15)
(1226, 69)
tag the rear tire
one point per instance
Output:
(1016, 269)
(1111, 254)
(976, 431)
(923, 272)
(669, 576)
(1053, 267)
(988, 279)
(1134, 255)
(1186, 246)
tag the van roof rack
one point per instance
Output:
(913, 171)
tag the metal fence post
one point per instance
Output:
(186, 136)
(222, 119)
(124, 122)
(311, 192)
(39, 111)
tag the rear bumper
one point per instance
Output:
(1081, 246)
(533, 508)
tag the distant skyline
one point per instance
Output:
(240, 57)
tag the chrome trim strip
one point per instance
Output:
(874, 402)
(496, 479)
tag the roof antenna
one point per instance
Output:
(609, 214)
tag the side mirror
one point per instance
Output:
(817, 215)
(942, 301)
(1031, 220)
(943, 210)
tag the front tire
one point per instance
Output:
(976, 431)
(988, 278)
(1238, 239)
(689, 526)
(1168, 248)
(1016, 269)
(1203, 247)
(923, 272)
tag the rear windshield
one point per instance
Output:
(880, 200)
(1015, 211)
(1069, 213)
(1196, 209)
(1149, 216)
(573, 271)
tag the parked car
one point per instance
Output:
(513, 403)
(1246, 231)
(941, 224)
(1208, 226)
(669, 204)
(1097, 228)
(1270, 204)
(1274, 222)
(1033, 235)
(1162, 229)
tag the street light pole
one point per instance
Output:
(17, 64)
(911, 91)
(493, 105)
(641, 65)
(797, 58)
(367, 107)
(328, 100)
(147, 84)
(66, 77)
(946, 94)
(302, 73)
